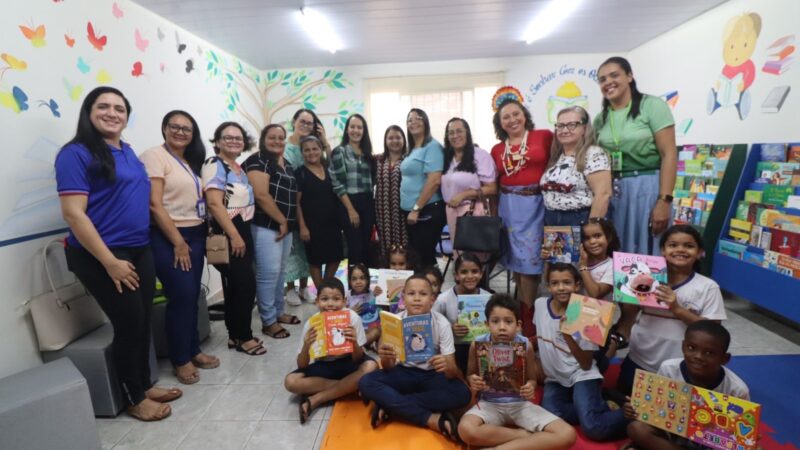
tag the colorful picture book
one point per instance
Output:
(412, 336)
(706, 417)
(563, 243)
(366, 307)
(700, 171)
(501, 365)
(330, 328)
(391, 283)
(588, 318)
(636, 278)
(472, 314)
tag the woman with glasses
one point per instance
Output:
(178, 237)
(232, 205)
(391, 224)
(304, 123)
(470, 174)
(352, 171)
(420, 199)
(576, 184)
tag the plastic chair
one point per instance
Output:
(446, 247)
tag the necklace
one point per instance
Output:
(514, 162)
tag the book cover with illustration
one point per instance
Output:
(412, 336)
(364, 305)
(502, 366)
(661, 402)
(472, 314)
(562, 243)
(588, 318)
(330, 328)
(391, 283)
(636, 278)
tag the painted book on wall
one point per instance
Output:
(412, 336)
(472, 314)
(330, 328)
(588, 318)
(502, 366)
(636, 278)
(391, 283)
(562, 243)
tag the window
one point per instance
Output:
(441, 97)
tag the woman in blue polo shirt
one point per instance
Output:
(105, 199)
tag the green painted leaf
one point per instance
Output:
(308, 105)
(337, 84)
(327, 73)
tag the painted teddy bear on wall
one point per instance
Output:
(739, 72)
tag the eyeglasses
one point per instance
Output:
(569, 125)
(305, 123)
(412, 119)
(175, 128)
(230, 139)
(457, 132)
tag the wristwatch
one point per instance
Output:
(415, 207)
(666, 197)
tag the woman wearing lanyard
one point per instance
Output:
(639, 132)
(520, 159)
(178, 237)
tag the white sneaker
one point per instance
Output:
(292, 299)
(307, 296)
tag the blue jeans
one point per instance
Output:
(557, 217)
(270, 258)
(413, 394)
(626, 374)
(582, 404)
(182, 290)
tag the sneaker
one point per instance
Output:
(307, 296)
(292, 299)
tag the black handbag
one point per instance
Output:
(481, 234)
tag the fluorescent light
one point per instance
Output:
(549, 19)
(320, 30)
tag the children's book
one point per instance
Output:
(785, 243)
(562, 242)
(636, 278)
(391, 283)
(412, 336)
(369, 310)
(588, 318)
(789, 266)
(776, 195)
(330, 328)
(707, 417)
(734, 249)
(502, 366)
(472, 313)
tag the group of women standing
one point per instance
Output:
(286, 207)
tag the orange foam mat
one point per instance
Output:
(349, 429)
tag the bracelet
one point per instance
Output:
(582, 269)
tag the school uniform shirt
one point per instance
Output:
(603, 272)
(447, 303)
(559, 364)
(566, 189)
(239, 200)
(504, 397)
(120, 211)
(657, 334)
(443, 343)
(355, 322)
(182, 187)
(728, 383)
(414, 172)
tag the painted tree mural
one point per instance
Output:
(278, 90)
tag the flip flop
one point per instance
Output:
(232, 342)
(453, 433)
(304, 413)
(162, 413)
(213, 364)
(192, 378)
(379, 416)
(168, 396)
(289, 319)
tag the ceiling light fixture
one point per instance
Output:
(549, 19)
(320, 30)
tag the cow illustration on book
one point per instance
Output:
(639, 280)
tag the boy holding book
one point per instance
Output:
(324, 379)
(484, 424)
(705, 353)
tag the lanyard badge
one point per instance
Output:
(202, 211)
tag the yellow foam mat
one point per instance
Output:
(349, 429)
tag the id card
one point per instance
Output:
(616, 161)
(201, 208)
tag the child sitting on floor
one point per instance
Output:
(705, 352)
(572, 381)
(326, 379)
(484, 424)
(419, 393)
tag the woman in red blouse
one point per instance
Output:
(521, 157)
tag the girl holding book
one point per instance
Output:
(421, 393)
(362, 301)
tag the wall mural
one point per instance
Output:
(568, 92)
(732, 86)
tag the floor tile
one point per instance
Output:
(219, 435)
(194, 403)
(155, 435)
(284, 435)
(241, 402)
(111, 431)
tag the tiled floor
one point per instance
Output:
(242, 404)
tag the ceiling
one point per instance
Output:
(267, 34)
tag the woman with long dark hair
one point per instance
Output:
(274, 223)
(420, 198)
(352, 168)
(105, 196)
(469, 174)
(391, 224)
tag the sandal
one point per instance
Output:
(191, 378)
(304, 412)
(213, 363)
(137, 412)
(289, 319)
(232, 342)
(168, 395)
(255, 350)
(379, 416)
(279, 333)
(445, 418)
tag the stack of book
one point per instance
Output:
(766, 228)
(700, 172)
(781, 55)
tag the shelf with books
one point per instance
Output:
(756, 257)
(707, 176)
